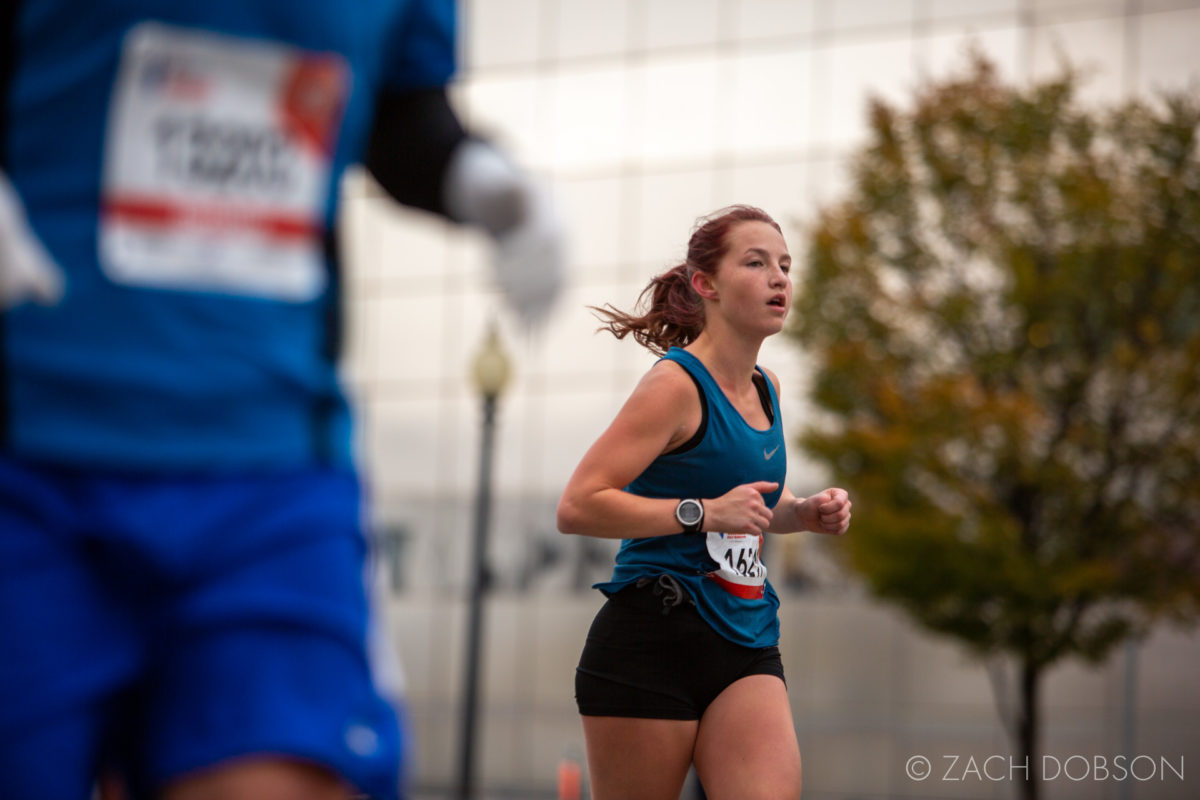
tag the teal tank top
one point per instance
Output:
(722, 571)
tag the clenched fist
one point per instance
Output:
(825, 512)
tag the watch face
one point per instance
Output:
(689, 512)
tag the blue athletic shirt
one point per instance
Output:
(180, 160)
(723, 572)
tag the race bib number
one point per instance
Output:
(217, 164)
(740, 570)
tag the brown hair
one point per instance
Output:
(673, 315)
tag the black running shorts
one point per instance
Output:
(646, 657)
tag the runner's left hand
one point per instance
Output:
(826, 512)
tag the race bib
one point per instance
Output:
(217, 163)
(740, 570)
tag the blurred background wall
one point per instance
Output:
(643, 115)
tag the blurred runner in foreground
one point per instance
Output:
(182, 595)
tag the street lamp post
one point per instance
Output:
(490, 373)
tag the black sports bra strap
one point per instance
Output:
(764, 395)
(698, 436)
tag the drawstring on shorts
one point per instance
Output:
(669, 589)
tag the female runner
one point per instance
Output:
(681, 664)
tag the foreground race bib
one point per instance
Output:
(740, 570)
(217, 164)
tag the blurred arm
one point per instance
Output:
(412, 139)
(421, 154)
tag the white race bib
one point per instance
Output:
(217, 163)
(740, 570)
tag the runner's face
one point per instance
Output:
(752, 282)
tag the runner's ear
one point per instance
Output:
(702, 283)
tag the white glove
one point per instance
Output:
(27, 272)
(483, 187)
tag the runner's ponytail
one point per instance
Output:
(672, 314)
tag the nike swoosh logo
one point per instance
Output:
(767, 455)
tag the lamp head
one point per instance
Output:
(492, 369)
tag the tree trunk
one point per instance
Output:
(1028, 728)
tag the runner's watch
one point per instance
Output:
(690, 514)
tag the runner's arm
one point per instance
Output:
(653, 419)
(662, 413)
(421, 154)
(413, 137)
(824, 512)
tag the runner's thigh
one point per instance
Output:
(638, 759)
(746, 747)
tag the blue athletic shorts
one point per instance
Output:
(157, 626)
